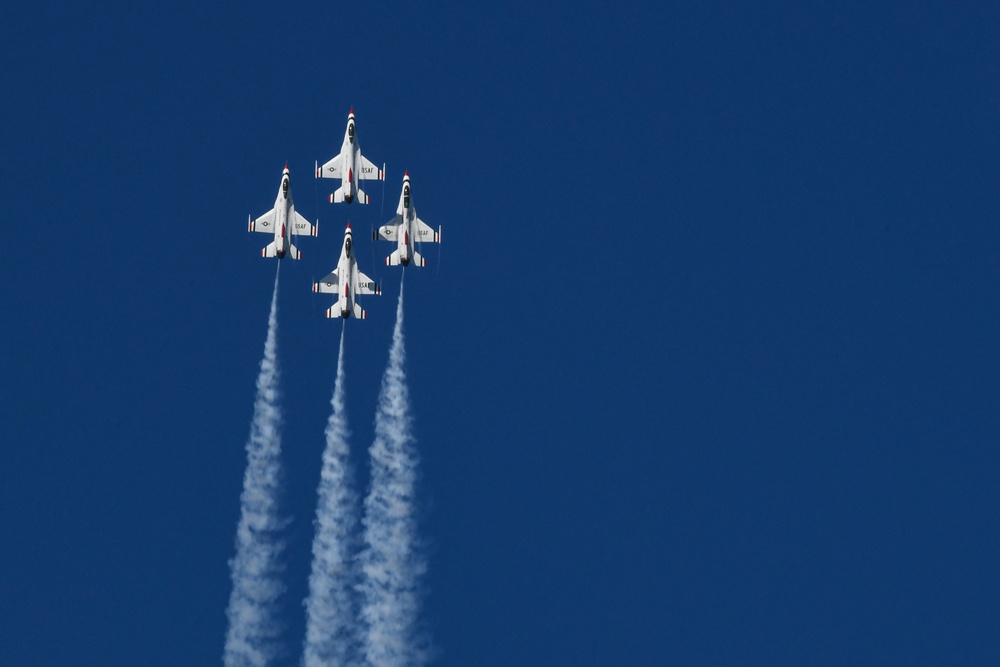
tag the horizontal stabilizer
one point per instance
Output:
(339, 197)
(418, 259)
(359, 312)
(271, 250)
(393, 259)
(334, 311)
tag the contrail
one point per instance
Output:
(330, 608)
(391, 562)
(254, 629)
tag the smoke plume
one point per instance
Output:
(331, 634)
(253, 638)
(391, 561)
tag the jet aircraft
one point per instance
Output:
(405, 229)
(346, 281)
(350, 166)
(282, 221)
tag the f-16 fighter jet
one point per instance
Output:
(347, 282)
(406, 228)
(282, 221)
(350, 167)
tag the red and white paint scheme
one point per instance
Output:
(282, 221)
(347, 282)
(350, 166)
(406, 229)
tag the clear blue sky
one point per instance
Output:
(704, 373)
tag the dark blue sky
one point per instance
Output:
(705, 371)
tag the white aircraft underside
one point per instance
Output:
(282, 221)
(406, 229)
(347, 282)
(350, 166)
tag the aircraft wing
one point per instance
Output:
(331, 169)
(369, 171)
(303, 227)
(264, 223)
(328, 285)
(425, 234)
(366, 285)
(390, 230)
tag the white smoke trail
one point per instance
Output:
(254, 632)
(330, 608)
(391, 562)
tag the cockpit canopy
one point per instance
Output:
(406, 196)
(284, 187)
(347, 247)
(350, 132)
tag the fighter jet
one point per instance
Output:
(406, 228)
(350, 166)
(347, 282)
(282, 221)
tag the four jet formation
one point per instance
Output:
(346, 281)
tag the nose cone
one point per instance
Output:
(286, 167)
(350, 114)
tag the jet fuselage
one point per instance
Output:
(407, 230)
(282, 208)
(347, 269)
